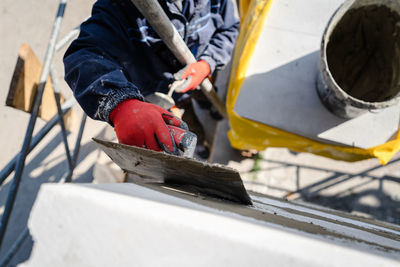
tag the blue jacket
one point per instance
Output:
(118, 56)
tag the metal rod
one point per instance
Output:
(53, 77)
(68, 177)
(67, 38)
(14, 248)
(65, 108)
(79, 138)
(32, 121)
(71, 35)
(157, 18)
(8, 169)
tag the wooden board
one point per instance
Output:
(24, 85)
(210, 179)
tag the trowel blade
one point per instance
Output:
(210, 179)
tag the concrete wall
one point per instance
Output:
(131, 225)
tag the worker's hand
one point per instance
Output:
(146, 125)
(191, 76)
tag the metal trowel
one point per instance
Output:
(165, 100)
(162, 100)
(205, 178)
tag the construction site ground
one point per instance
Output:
(364, 188)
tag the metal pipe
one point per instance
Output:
(71, 35)
(32, 121)
(157, 18)
(7, 170)
(53, 77)
(79, 138)
(21, 238)
(65, 108)
(68, 177)
(67, 38)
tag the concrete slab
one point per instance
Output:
(280, 81)
(127, 224)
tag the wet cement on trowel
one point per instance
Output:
(212, 179)
(275, 215)
(364, 53)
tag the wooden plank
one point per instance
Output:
(24, 83)
(210, 179)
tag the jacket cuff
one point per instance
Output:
(107, 103)
(210, 62)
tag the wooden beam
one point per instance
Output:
(24, 85)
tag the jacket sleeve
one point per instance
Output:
(92, 67)
(220, 48)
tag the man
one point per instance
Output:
(118, 60)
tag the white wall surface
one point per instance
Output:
(130, 225)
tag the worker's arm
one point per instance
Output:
(99, 83)
(91, 67)
(220, 48)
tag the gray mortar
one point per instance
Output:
(274, 215)
(211, 179)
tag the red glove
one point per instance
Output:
(191, 76)
(143, 124)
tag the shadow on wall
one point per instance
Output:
(29, 188)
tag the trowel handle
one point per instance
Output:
(171, 90)
(184, 140)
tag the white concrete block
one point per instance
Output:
(130, 225)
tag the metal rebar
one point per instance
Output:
(56, 89)
(8, 169)
(32, 121)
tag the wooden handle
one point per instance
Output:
(157, 18)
